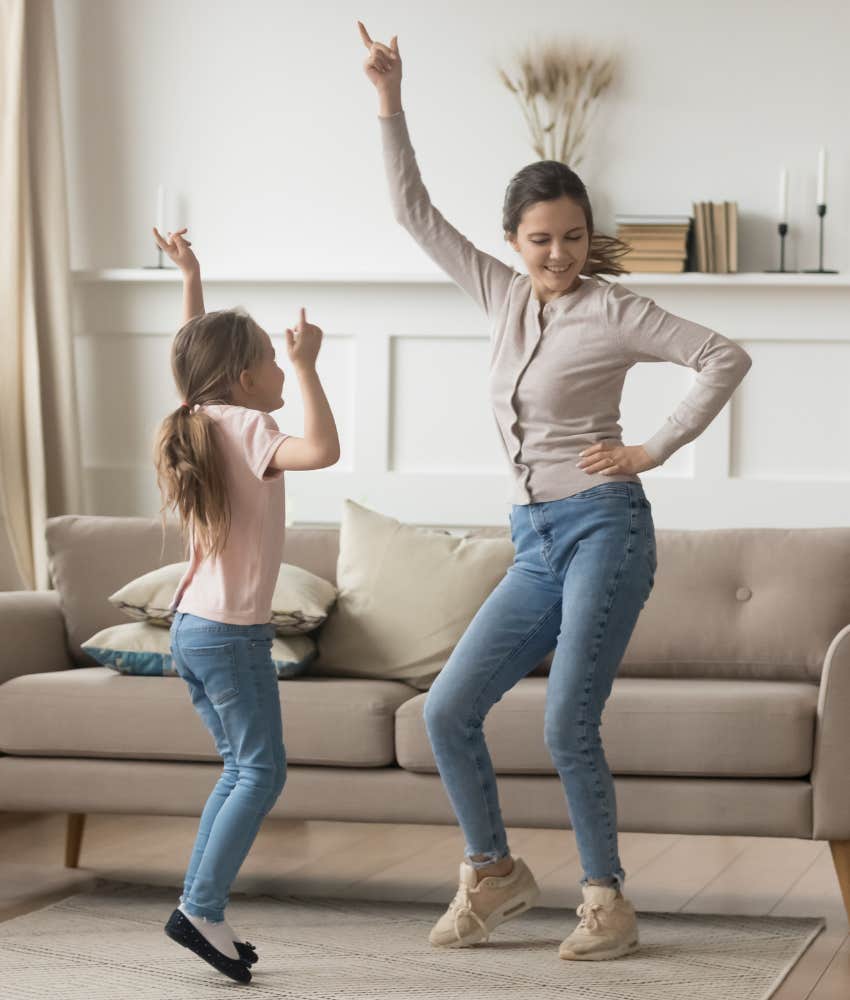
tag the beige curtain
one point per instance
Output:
(40, 469)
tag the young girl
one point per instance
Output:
(581, 525)
(220, 459)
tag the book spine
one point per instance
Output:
(721, 239)
(711, 266)
(699, 237)
(732, 228)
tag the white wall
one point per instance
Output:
(258, 118)
(405, 366)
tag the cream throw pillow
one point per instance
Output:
(406, 595)
(300, 603)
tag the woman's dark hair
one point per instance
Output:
(547, 180)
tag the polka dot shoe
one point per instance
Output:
(182, 931)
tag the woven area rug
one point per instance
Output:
(108, 942)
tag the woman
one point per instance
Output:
(562, 341)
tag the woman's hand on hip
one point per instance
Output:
(607, 458)
(383, 64)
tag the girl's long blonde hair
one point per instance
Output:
(208, 355)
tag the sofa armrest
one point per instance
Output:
(32, 634)
(831, 764)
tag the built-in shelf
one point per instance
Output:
(171, 274)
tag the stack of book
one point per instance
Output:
(716, 237)
(659, 242)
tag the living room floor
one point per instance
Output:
(691, 874)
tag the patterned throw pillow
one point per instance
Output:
(142, 648)
(300, 603)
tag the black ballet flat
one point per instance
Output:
(247, 952)
(185, 933)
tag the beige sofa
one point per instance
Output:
(730, 714)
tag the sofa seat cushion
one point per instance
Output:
(95, 712)
(650, 726)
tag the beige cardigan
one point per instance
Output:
(555, 387)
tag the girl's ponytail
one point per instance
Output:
(208, 355)
(191, 479)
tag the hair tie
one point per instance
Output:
(184, 403)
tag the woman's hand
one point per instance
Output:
(611, 459)
(304, 350)
(178, 250)
(383, 64)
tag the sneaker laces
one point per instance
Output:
(461, 906)
(588, 913)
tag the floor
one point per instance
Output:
(741, 875)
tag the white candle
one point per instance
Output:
(821, 199)
(160, 209)
(783, 194)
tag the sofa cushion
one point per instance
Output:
(300, 602)
(145, 649)
(650, 726)
(95, 712)
(761, 603)
(406, 595)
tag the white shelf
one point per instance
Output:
(171, 274)
(688, 278)
(744, 280)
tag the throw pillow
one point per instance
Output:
(142, 648)
(406, 595)
(300, 603)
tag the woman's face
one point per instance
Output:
(553, 240)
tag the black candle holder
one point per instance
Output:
(783, 232)
(158, 265)
(820, 268)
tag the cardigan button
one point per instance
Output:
(743, 593)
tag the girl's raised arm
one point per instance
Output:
(178, 249)
(484, 277)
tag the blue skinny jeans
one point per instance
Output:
(583, 569)
(234, 688)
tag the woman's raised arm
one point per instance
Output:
(484, 277)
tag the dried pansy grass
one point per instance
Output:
(557, 89)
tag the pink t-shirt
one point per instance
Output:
(236, 586)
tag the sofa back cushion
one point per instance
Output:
(746, 602)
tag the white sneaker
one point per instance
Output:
(479, 907)
(608, 927)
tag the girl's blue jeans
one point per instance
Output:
(584, 566)
(234, 688)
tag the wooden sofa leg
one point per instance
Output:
(74, 839)
(841, 859)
